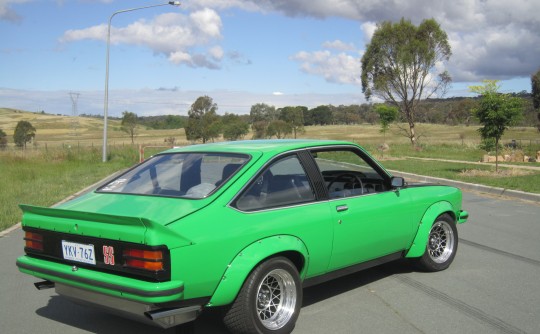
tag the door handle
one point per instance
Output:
(341, 208)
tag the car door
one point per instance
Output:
(370, 219)
(281, 200)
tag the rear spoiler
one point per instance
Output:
(123, 228)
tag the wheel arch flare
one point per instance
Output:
(419, 244)
(241, 266)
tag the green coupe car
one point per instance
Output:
(245, 225)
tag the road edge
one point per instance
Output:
(473, 187)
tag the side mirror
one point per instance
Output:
(397, 182)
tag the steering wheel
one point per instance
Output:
(347, 175)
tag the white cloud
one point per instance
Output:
(500, 53)
(171, 34)
(338, 45)
(368, 28)
(496, 39)
(7, 13)
(216, 52)
(337, 68)
(221, 5)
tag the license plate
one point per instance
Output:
(78, 252)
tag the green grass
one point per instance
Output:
(59, 164)
(44, 178)
(454, 171)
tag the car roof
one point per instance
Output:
(261, 146)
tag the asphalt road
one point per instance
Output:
(492, 286)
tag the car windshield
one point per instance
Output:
(187, 175)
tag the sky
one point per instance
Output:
(239, 52)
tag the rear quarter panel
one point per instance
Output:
(220, 234)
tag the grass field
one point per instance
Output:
(45, 178)
(65, 159)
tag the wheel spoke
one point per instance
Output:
(440, 242)
(276, 298)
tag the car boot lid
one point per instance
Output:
(110, 226)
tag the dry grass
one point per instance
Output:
(513, 172)
(58, 131)
(54, 131)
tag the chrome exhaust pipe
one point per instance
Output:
(175, 316)
(44, 285)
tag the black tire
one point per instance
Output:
(269, 301)
(442, 245)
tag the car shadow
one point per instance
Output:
(320, 292)
(92, 320)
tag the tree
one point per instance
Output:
(347, 114)
(203, 122)
(535, 90)
(279, 128)
(399, 66)
(234, 127)
(387, 115)
(461, 113)
(129, 124)
(259, 129)
(294, 116)
(3, 139)
(24, 133)
(496, 112)
(260, 115)
(321, 115)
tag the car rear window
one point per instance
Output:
(187, 175)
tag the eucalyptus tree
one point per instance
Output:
(402, 64)
(535, 90)
(294, 116)
(24, 133)
(129, 124)
(3, 139)
(260, 116)
(234, 127)
(203, 122)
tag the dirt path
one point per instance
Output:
(536, 168)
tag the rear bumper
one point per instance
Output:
(138, 300)
(144, 313)
(105, 283)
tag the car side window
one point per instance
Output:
(347, 174)
(282, 183)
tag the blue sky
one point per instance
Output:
(239, 52)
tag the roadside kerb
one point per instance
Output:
(472, 186)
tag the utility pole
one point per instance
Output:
(74, 113)
(106, 98)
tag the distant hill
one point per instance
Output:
(51, 128)
(40, 120)
(85, 130)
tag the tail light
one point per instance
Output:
(151, 260)
(33, 241)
